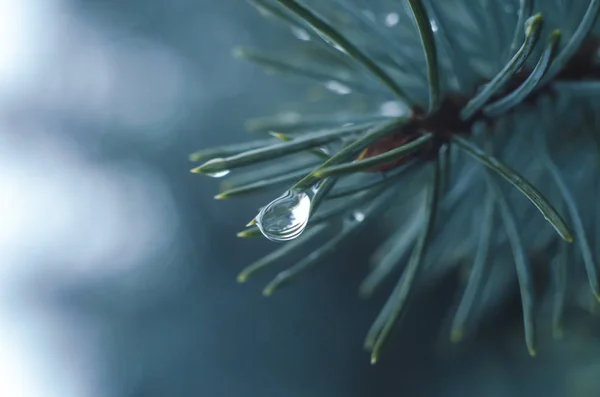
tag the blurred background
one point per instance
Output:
(118, 268)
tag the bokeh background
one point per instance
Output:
(118, 269)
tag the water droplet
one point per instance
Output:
(285, 218)
(392, 19)
(325, 150)
(434, 26)
(214, 168)
(218, 174)
(358, 216)
(300, 33)
(393, 109)
(337, 87)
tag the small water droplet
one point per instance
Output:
(434, 26)
(393, 109)
(214, 168)
(392, 19)
(286, 217)
(358, 216)
(325, 150)
(337, 87)
(300, 33)
(218, 174)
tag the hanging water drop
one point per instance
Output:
(286, 217)
(358, 216)
(218, 174)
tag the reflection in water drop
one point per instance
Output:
(300, 33)
(337, 87)
(392, 19)
(218, 174)
(358, 216)
(286, 217)
(434, 25)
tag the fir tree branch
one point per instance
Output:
(373, 182)
(404, 288)
(365, 140)
(280, 253)
(329, 33)
(294, 122)
(582, 31)
(320, 153)
(229, 150)
(532, 32)
(521, 263)
(351, 226)
(391, 253)
(375, 161)
(519, 182)
(265, 184)
(581, 237)
(428, 42)
(525, 10)
(315, 72)
(474, 282)
(522, 92)
(277, 150)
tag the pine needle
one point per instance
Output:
(277, 150)
(521, 264)
(532, 32)
(280, 253)
(474, 282)
(380, 332)
(375, 161)
(523, 185)
(330, 34)
(428, 42)
(526, 88)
